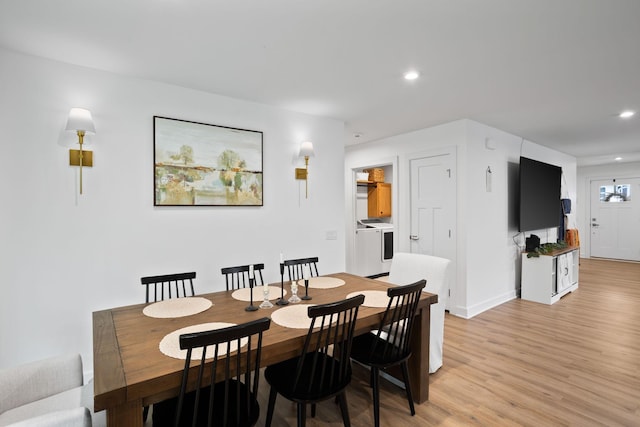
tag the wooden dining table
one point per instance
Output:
(130, 371)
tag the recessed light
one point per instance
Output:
(411, 75)
(627, 114)
(617, 159)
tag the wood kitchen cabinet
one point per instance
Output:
(379, 200)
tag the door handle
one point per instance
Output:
(414, 237)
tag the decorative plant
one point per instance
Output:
(546, 248)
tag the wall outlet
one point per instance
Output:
(332, 235)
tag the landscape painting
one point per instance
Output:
(198, 164)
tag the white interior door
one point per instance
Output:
(615, 219)
(433, 201)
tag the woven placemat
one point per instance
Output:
(170, 344)
(177, 307)
(292, 316)
(244, 294)
(322, 282)
(372, 298)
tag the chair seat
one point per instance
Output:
(164, 412)
(361, 351)
(279, 377)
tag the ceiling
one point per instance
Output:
(554, 72)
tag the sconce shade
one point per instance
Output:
(80, 120)
(306, 149)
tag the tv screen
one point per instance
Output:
(539, 195)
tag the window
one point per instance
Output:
(615, 193)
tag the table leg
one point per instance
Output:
(419, 361)
(129, 414)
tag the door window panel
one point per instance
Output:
(617, 193)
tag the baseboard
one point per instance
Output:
(469, 312)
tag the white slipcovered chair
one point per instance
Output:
(48, 392)
(408, 268)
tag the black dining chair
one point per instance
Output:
(389, 345)
(169, 286)
(295, 267)
(226, 387)
(323, 369)
(238, 277)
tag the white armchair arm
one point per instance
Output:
(37, 380)
(77, 417)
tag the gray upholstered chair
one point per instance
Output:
(49, 392)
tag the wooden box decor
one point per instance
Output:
(375, 174)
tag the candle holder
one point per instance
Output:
(282, 301)
(265, 302)
(294, 292)
(251, 307)
(306, 296)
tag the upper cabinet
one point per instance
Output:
(379, 200)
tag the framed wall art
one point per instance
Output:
(198, 164)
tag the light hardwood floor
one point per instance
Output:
(576, 363)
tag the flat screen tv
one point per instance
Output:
(540, 205)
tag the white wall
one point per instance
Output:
(487, 238)
(63, 256)
(493, 242)
(585, 175)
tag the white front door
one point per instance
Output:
(433, 215)
(615, 219)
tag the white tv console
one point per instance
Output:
(547, 278)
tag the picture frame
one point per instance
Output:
(200, 164)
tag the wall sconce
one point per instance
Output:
(306, 151)
(81, 122)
